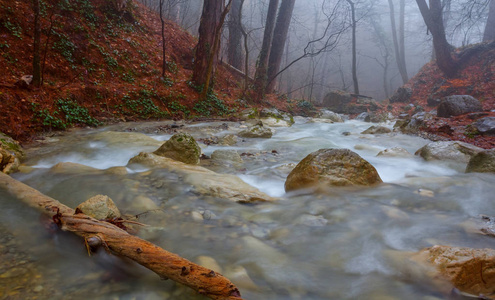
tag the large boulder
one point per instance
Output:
(483, 162)
(402, 94)
(471, 271)
(458, 105)
(337, 101)
(204, 181)
(448, 150)
(256, 131)
(99, 207)
(486, 125)
(335, 167)
(181, 147)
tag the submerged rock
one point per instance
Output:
(470, 270)
(181, 147)
(377, 130)
(395, 152)
(99, 207)
(205, 181)
(483, 162)
(335, 167)
(256, 131)
(448, 150)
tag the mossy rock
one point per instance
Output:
(181, 147)
(256, 131)
(11, 145)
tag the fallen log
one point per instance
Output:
(99, 233)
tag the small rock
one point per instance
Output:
(395, 152)
(256, 131)
(209, 263)
(99, 207)
(181, 147)
(377, 130)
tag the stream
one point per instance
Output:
(339, 244)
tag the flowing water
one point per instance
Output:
(339, 244)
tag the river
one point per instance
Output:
(338, 244)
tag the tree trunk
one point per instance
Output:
(402, 47)
(398, 46)
(234, 47)
(489, 34)
(279, 38)
(214, 52)
(210, 17)
(100, 233)
(354, 54)
(164, 47)
(260, 78)
(36, 45)
(434, 21)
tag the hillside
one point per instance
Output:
(476, 77)
(100, 66)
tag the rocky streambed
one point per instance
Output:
(230, 212)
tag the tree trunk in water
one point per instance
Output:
(354, 58)
(100, 233)
(164, 47)
(210, 17)
(489, 34)
(434, 21)
(36, 45)
(260, 77)
(279, 38)
(234, 48)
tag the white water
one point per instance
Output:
(306, 246)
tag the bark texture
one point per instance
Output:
(260, 78)
(166, 264)
(234, 47)
(279, 38)
(210, 17)
(433, 17)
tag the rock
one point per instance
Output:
(335, 167)
(470, 270)
(414, 124)
(482, 162)
(24, 82)
(448, 150)
(433, 101)
(274, 122)
(337, 101)
(458, 105)
(99, 207)
(11, 154)
(240, 277)
(364, 117)
(486, 125)
(228, 140)
(269, 113)
(230, 156)
(181, 147)
(204, 181)
(256, 131)
(402, 94)
(330, 115)
(377, 130)
(209, 263)
(72, 168)
(395, 152)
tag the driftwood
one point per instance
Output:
(99, 233)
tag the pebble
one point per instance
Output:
(38, 288)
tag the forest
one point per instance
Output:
(271, 149)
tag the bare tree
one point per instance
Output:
(489, 34)
(399, 48)
(354, 55)
(164, 45)
(279, 38)
(234, 48)
(36, 45)
(260, 78)
(433, 18)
